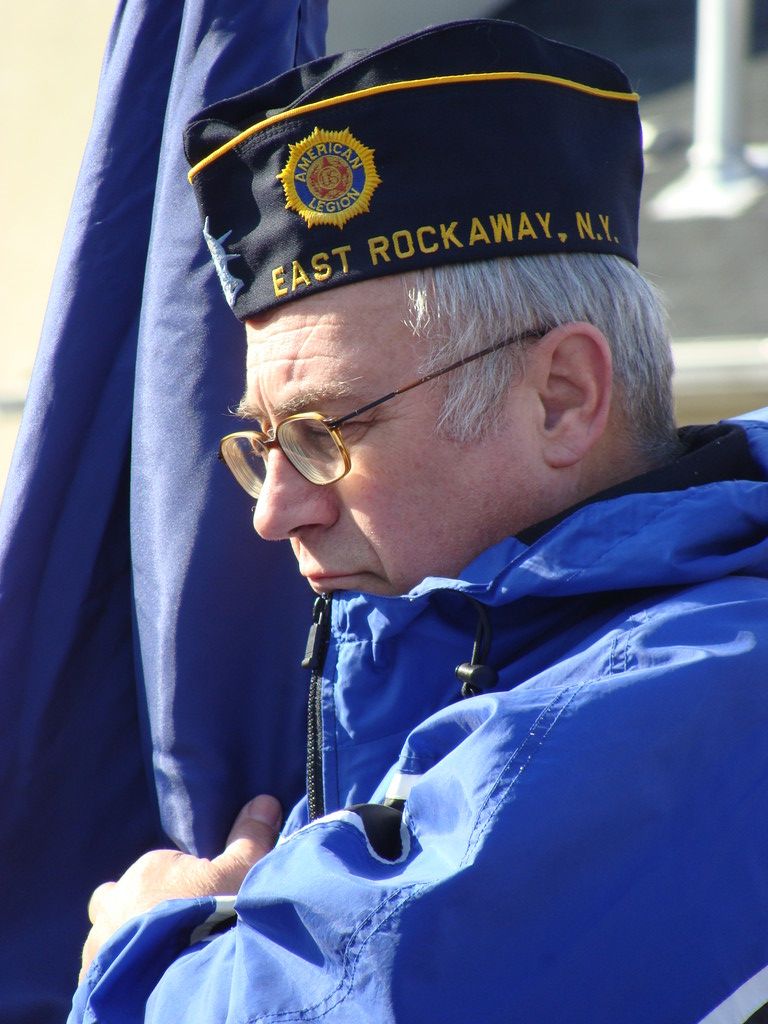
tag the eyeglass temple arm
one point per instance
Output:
(431, 376)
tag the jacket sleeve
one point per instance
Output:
(589, 847)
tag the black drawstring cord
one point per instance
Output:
(474, 675)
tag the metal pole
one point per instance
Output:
(719, 181)
(722, 36)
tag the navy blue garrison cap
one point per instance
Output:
(465, 141)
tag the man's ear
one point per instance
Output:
(572, 371)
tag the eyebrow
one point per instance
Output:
(307, 400)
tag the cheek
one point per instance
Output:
(422, 509)
(391, 490)
(410, 519)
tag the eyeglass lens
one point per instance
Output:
(245, 458)
(310, 447)
(307, 443)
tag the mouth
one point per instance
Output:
(325, 582)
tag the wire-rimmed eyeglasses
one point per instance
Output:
(311, 442)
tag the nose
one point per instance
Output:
(288, 503)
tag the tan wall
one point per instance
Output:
(50, 56)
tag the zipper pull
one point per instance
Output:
(318, 634)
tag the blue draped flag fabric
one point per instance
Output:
(149, 644)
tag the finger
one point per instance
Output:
(90, 949)
(97, 899)
(260, 817)
(252, 836)
(93, 943)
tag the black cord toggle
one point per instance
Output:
(475, 676)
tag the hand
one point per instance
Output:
(168, 874)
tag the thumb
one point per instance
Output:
(252, 836)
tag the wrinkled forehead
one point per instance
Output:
(332, 346)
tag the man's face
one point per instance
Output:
(414, 504)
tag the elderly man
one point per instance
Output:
(536, 767)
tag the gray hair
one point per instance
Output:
(464, 307)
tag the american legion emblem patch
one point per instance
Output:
(329, 178)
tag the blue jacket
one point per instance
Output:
(585, 841)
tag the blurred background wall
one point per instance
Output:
(712, 269)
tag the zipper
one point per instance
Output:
(314, 657)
